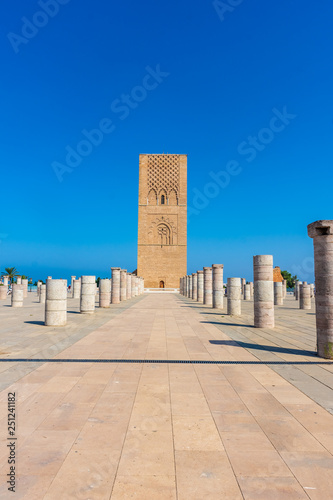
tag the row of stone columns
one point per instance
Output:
(298, 286)
(204, 286)
(125, 285)
(121, 287)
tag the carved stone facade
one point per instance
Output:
(162, 231)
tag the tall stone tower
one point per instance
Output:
(162, 233)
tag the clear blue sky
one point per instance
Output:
(218, 78)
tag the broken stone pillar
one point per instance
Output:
(284, 288)
(104, 293)
(247, 292)
(56, 302)
(200, 285)
(3, 292)
(278, 293)
(312, 290)
(115, 291)
(234, 296)
(17, 295)
(190, 286)
(132, 285)
(297, 285)
(194, 286)
(322, 233)
(25, 283)
(128, 286)
(88, 293)
(217, 277)
(19, 280)
(39, 283)
(263, 291)
(123, 283)
(42, 294)
(243, 286)
(208, 286)
(251, 288)
(187, 286)
(5, 280)
(305, 296)
(72, 286)
(77, 288)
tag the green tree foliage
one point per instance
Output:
(290, 279)
(11, 272)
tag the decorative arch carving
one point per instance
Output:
(173, 200)
(162, 231)
(152, 197)
(164, 234)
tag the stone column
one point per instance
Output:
(3, 292)
(42, 294)
(25, 287)
(247, 292)
(251, 288)
(88, 294)
(72, 286)
(77, 288)
(243, 286)
(17, 295)
(305, 296)
(194, 286)
(322, 233)
(278, 294)
(5, 280)
(19, 280)
(200, 285)
(128, 286)
(39, 283)
(297, 285)
(234, 296)
(123, 283)
(208, 286)
(56, 302)
(263, 291)
(136, 291)
(132, 285)
(104, 293)
(217, 276)
(115, 291)
(190, 286)
(284, 288)
(312, 290)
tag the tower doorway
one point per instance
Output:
(162, 284)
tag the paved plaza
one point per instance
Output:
(257, 425)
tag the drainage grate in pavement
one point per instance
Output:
(164, 361)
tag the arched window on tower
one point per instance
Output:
(162, 199)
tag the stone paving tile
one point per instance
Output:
(168, 431)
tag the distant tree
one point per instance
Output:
(11, 272)
(290, 279)
(97, 281)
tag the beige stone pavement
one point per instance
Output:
(91, 430)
